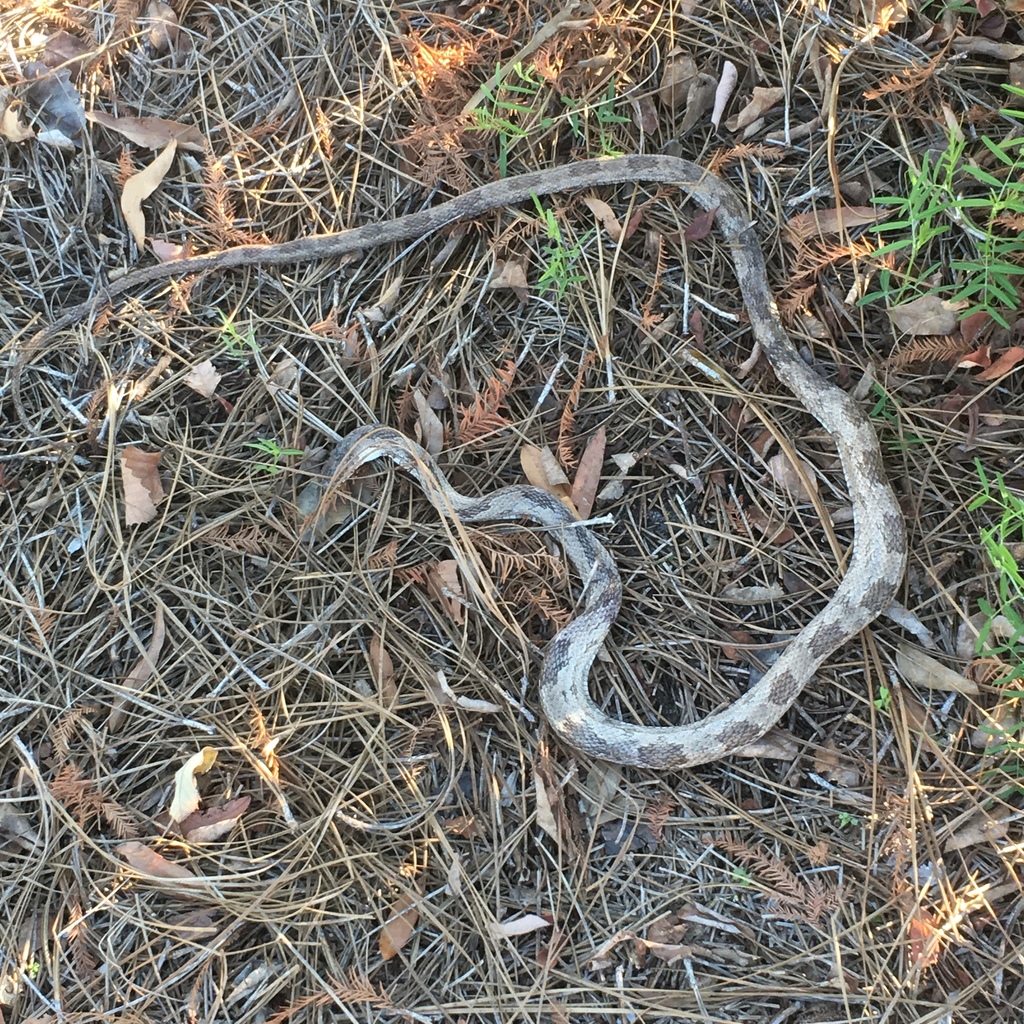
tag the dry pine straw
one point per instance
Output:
(749, 891)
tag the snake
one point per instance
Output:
(878, 554)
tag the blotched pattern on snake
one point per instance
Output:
(877, 559)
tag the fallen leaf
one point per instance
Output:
(979, 357)
(398, 928)
(510, 274)
(164, 29)
(1003, 365)
(679, 75)
(615, 488)
(487, 707)
(645, 113)
(141, 670)
(168, 252)
(922, 669)
(604, 213)
(601, 958)
(700, 227)
(382, 668)
(794, 133)
(429, 429)
(522, 925)
(925, 938)
(979, 827)
(761, 102)
(381, 309)
(602, 60)
(543, 471)
(988, 48)
(999, 728)
(148, 862)
(65, 50)
(776, 745)
(545, 813)
(444, 584)
(798, 480)
(57, 103)
(203, 379)
(726, 84)
(211, 823)
(699, 101)
(11, 127)
(830, 764)
(152, 132)
(143, 490)
(829, 221)
(141, 186)
(588, 474)
(186, 794)
(754, 595)
(670, 953)
(971, 326)
(930, 314)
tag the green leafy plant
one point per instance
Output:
(884, 699)
(275, 452)
(936, 204)
(236, 344)
(506, 114)
(559, 271)
(1003, 542)
(885, 413)
(604, 116)
(512, 112)
(846, 819)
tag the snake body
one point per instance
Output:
(877, 559)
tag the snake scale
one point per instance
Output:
(878, 555)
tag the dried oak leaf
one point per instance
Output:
(799, 480)
(186, 793)
(148, 862)
(152, 132)
(930, 314)
(606, 215)
(588, 475)
(141, 186)
(680, 73)
(11, 126)
(511, 274)
(209, 824)
(763, 99)
(521, 925)
(1003, 365)
(398, 928)
(543, 471)
(141, 671)
(816, 223)
(143, 491)
(203, 379)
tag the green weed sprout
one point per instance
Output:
(936, 204)
(272, 449)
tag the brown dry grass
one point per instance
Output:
(748, 891)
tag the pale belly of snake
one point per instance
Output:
(878, 555)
